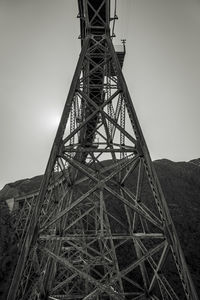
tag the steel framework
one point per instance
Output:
(100, 227)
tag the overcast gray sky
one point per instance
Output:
(38, 54)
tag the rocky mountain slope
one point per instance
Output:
(181, 185)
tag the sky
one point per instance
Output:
(38, 55)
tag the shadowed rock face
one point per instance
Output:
(8, 249)
(20, 188)
(181, 185)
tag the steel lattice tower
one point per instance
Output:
(100, 227)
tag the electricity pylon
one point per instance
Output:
(100, 227)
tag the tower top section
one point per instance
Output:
(94, 17)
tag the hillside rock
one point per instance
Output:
(20, 188)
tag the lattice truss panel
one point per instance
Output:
(100, 228)
(21, 214)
